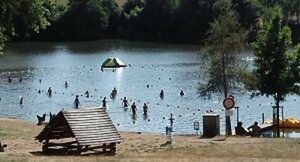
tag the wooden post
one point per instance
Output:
(45, 145)
(78, 149)
(104, 148)
(263, 117)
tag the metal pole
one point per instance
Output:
(282, 123)
(263, 117)
(237, 114)
(274, 121)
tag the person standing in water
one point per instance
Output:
(161, 94)
(76, 102)
(181, 93)
(21, 101)
(104, 102)
(49, 92)
(66, 84)
(145, 108)
(115, 91)
(9, 79)
(133, 108)
(125, 103)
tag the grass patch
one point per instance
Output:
(13, 159)
(10, 132)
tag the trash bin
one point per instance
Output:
(211, 125)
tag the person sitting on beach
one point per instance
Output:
(125, 103)
(76, 102)
(161, 94)
(255, 130)
(145, 108)
(133, 108)
(240, 130)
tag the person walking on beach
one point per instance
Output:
(133, 108)
(125, 103)
(76, 101)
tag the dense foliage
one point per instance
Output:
(19, 17)
(277, 67)
(225, 41)
(182, 21)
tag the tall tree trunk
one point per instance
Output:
(224, 76)
(228, 131)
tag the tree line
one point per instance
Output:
(175, 21)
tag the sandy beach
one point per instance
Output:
(21, 146)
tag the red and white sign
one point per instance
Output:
(229, 103)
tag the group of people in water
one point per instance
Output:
(125, 103)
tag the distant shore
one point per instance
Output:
(21, 146)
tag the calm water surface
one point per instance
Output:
(161, 66)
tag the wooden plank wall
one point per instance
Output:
(92, 126)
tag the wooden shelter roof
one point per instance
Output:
(90, 126)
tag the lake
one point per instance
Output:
(165, 67)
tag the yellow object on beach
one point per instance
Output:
(290, 122)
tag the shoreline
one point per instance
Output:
(21, 146)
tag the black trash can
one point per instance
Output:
(211, 125)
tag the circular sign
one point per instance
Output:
(228, 103)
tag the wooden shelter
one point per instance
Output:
(78, 131)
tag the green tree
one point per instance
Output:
(276, 67)
(192, 19)
(225, 41)
(19, 17)
(85, 19)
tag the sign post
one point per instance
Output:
(228, 104)
(196, 126)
